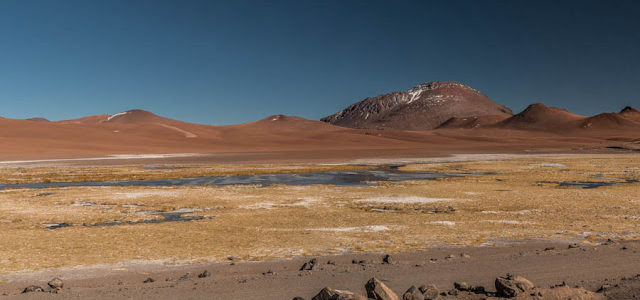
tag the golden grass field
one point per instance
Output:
(255, 223)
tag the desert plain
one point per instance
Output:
(498, 204)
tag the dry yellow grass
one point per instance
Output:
(252, 222)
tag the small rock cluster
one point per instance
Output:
(54, 286)
(508, 286)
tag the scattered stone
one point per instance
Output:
(359, 262)
(33, 289)
(204, 274)
(609, 242)
(184, 277)
(309, 266)
(478, 290)
(624, 248)
(298, 298)
(448, 210)
(148, 280)
(429, 292)
(331, 262)
(549, 248)
(269, 273)
(56, 283)
(464, 255)
(413, 293)
(453, 292)
(450, 257)
(604, 288)
(461, 286)
(328, 293)
(574, 245)
(387, 259)
(379, 291)
(512, 286)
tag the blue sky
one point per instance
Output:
(236, 61)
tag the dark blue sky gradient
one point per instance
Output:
(236, 61)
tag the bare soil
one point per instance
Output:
(545, 263)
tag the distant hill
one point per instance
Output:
(37, 119)
(540, 117)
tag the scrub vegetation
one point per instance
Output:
(520, 199)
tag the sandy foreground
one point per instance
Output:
(546, 263)
(515, 217)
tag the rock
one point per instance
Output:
(478, 289)
(574, 245)
(56, 283)
(359, 261)
(413, 293)
(184, 277)
(604, 288)
(298, 298)
(464, 255)
(204, 274)
(461, 286)
(387, 259)
(331, 262)
(328, 293)
(512, 286)
(269, 273)
(447, 210)
(148, 280)
(379, 291)
(308, 266)
(453, 292)
(429, 292)
(32, 289)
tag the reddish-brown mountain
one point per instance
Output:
(423, 107)
(540, 117)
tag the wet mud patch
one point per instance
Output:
(57, 225)
(337, 178)
(588, 184)
(167, 217)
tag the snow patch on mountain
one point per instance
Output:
(117, 115)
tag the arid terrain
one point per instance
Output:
(453, 186)
(498, 211)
